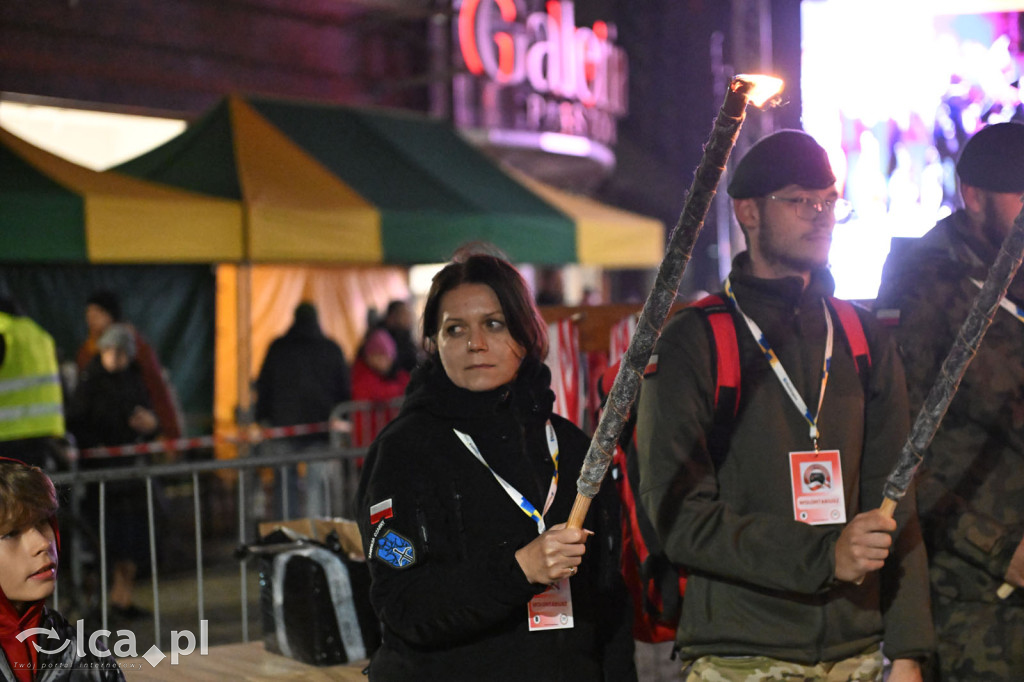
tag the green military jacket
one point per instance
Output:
(971, 483)
(762, 583)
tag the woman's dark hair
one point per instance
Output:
(26, 494)
(521, 315)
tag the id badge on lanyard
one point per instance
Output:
(816, 475)
(552, 608)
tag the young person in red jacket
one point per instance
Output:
(29, 545)
(376, 378)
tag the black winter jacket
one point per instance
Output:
(99, 411)
(458, 611)
(303, 377)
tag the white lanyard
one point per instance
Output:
(780, 372)
(1007, 305)
(524, 504)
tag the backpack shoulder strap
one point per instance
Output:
(727, 355)
(718, 315)
(853, 329)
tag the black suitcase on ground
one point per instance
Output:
(315, 602)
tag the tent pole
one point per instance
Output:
(243, 311)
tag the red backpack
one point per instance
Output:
(656, 585)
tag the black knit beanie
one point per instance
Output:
(788, 157)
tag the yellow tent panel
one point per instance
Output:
(605, 235)
(296, 208)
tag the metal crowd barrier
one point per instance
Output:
(340, 451)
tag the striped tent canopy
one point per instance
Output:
(55, 211)
(329, 184)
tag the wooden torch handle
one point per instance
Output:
(888, 507)
(579, 512)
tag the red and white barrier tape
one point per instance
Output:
(253, 435)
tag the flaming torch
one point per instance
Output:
(757, 90)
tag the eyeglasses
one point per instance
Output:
(809, 209)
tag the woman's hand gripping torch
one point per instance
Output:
(754, 89)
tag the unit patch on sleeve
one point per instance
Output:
(393, 549)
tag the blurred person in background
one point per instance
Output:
(377, 378)
(110, 407)
(31, 399)
(398, 323)
(304, 376)
(102, 309)
(550, 287)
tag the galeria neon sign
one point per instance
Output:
(547, 51)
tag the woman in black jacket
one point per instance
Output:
(462, 499)
(111, 408)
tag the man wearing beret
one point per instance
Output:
(971, 483)
(771, 504)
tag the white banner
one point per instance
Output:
(566, 370)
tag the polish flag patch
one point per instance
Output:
(652, 366)
(380, 511)
(890, 317)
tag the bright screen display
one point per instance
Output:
(892, 90)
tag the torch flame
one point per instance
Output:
(764, 87)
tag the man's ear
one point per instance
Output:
(974, 202)
(748, 213)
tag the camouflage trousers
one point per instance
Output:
(866, 667)
(979, 641)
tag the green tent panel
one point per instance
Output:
(403, 188)
(36, 215)
(53, 210)
(434, 190)
(201, 158)
(334, 184)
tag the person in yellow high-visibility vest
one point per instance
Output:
(31, 398)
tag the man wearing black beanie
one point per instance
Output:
(771, 503)
(971, 484)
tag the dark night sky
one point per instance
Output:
(673, 102)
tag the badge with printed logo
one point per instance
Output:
(394, 549)
(552, 608)
(817, 478)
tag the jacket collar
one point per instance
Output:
(788, 292)
(529, 394)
